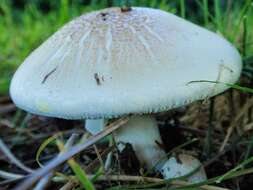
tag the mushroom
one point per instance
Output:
(115, 62)
(183, 165)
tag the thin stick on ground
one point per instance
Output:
(44, 182)
(12, 158)
(70, 153)
(8, 175)
(233, 125)
(128, 178)
(7, 109)
(99, 158)
(69, 186)
(46, 179)
(151, 180)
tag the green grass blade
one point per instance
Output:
(205, 12)
(182, 8)
(77, 169)
(218, 18)
(43, 146)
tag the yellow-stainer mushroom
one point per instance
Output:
(115, 62)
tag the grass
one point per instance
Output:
(77, 169)
(23, 29)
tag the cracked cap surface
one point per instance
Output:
(111, 62)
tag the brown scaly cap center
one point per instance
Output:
(125, 9)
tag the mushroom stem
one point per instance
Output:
(95, 126)
(143, 134)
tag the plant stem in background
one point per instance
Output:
(182, 8)
(245, 34)
(206, 12)
(64, 11)
(244, 11)
(217, 12)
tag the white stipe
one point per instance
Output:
(94, 126)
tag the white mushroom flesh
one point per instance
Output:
(143, 134)
(182, 165)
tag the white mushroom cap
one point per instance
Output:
(111, 62)
(183, 165)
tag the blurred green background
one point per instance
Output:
(24, 24)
